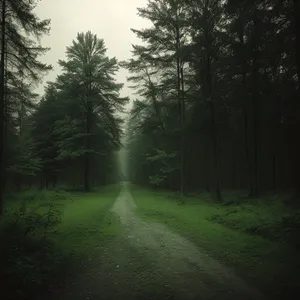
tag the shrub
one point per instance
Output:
(268, 220)
(27, 252)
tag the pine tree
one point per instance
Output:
(164, 53)
(20, 29)
(88, 84)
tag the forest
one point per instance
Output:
(218, 104)
(208, 148)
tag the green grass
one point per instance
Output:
(88, 223)
(271, 265)
(45, 234)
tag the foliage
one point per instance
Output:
(272, 221)
(27, 251)
(81, 109)
(230, 114)
(268, 262)
(88, 223)
(43, 234)
(21, 70)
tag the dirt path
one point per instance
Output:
(149, 261)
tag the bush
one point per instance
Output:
(27, 252)
(271, 221)
(28, 195)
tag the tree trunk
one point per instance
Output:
(214, 136)
(245, 92)
(248, 152)
(5, 119)
(18, 182)
(2, 105)
(87, 186)
(275, 146)
(245, 109)
(181, 109)
(276, 131)
(41, 182)
(154, 100)
(255, 138)
(87, 171)
(182, 121)
(87, 155)
(210, 99)
(274, 187)
(255, 110)
(297, 33)
(215, 152)
(205, 167)
(54, 181)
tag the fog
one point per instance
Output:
(110, 20)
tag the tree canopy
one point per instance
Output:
(72, 134)
(217, 100)
(217, 104)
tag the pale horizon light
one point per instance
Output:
(109, 19)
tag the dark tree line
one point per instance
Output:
(217, 86)
(70, 136)
(20, 70)
(217, 104)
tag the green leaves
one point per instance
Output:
(88, 74)
(21, 49)
(24, 160)
(161, 78)
(168, 164)
(68, 136)
(161, 155)
(82, 130)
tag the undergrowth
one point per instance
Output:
(258, 238)
(29, 258)
(269, 218)
(45, 233)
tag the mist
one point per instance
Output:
(149, 149)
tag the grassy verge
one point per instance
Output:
(227, 234)
(87, 223)
(44, 234)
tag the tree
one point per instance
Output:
(90, 75)
(81, 106)
(20, 28)
(207, 19)
(240, 91)
(163, 56)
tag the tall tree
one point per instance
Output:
(207, 19)
(2, 104)
(165, 42)
(88, 77)
(240, 90)
(21, 29)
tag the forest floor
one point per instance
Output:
(137, 243)
(257, 238)
(150, 261)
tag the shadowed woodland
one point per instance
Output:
(215, 120)
(219, 97)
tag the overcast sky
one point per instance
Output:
(109, 19)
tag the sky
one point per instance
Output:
(109, 19)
